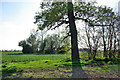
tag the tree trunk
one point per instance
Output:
(110, 50)
(88, 39)
(118, 40)
(114, 52)
(118, 49)
(73, 31)
(89, 54)
(104, 43)
(77, 71)
(94, 53)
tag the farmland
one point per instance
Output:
(18, 65)
(19, 57)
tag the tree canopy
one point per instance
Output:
(55, 14)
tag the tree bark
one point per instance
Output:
(94, 54)
(114, 32)
(110, 50)
(90, 48)
(118, 48)
(77, 71)
(88, 39)
(104, 43)
(118, 40)
(73, 31)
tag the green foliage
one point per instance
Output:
(55, 14)
(104, 61)
(30, 45)
(26, 47)
(51, 15)
(113, 61)
(53, 44)
(45, 44)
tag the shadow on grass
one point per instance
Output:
(7, 71)
(11, 75)
(77, 71)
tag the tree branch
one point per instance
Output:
(78, 18)
(67, 26)
(100, 25)
(62, 22)
(86, 20)
(68, 34)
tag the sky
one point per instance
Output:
(17, 17)
(17, 21)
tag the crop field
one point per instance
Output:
(31, 57)
(19, 57)
(18, 65)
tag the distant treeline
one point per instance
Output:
(10, 50)
(39, 43)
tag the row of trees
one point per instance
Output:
(102, 33)
(101, 28)
(102, 25)
(40, 43)
(10, 50)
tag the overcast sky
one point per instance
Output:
(17, 17)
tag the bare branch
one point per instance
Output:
(67, 26)
(100, 25)
(86, 20)
(78, 18)
(68, 34)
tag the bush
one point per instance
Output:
(112, 60)
(92, 61)
(109, 60)
(96, 62)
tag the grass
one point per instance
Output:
(19, 57)
(101, 69)
(51, 69)
(51, 66)
(6, 57)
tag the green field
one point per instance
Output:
(18, 65)
(32, 57)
